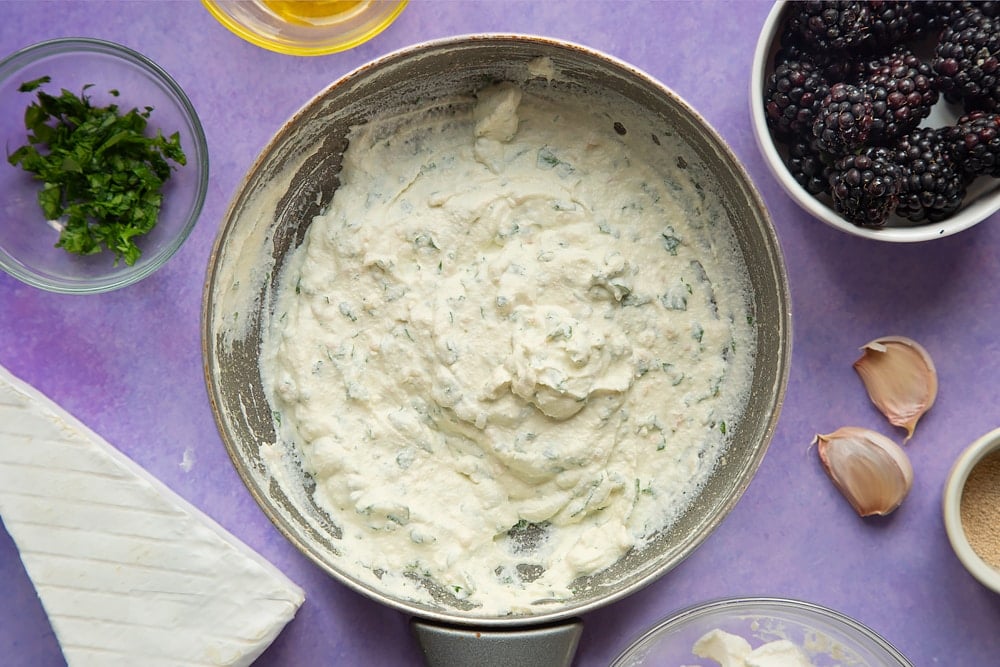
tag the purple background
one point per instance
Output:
(128, 363)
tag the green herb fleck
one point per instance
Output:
(674, 299)
(670, 243)
(348, 312)
(425, 240)
(546, 159)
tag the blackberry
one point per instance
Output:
(836, 67)
(894, 21)
(830, 25)
(933, 186)
(844, 120)
(808, 167)
(794, 93)
(988, 7)
(865, 187)
(974, 143)
(901, 88)
(967, 60)
(943, 11)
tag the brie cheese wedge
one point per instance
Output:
(128, 572)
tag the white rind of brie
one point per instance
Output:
(128, 572)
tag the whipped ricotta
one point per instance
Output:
(731, 650)
(509, 350)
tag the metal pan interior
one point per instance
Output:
(296, 176)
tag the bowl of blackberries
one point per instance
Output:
(882, 118)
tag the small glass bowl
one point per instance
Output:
(828, 637)
(981, 201)
(27, 239)
(954, 488)
(306, 27)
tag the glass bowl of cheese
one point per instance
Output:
(760, 631)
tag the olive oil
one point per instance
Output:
(315, 12)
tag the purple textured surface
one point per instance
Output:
(128, 363)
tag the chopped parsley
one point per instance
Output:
(102, 175)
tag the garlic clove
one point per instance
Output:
(869, 469)
(900, 378)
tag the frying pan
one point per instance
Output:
(292, 181)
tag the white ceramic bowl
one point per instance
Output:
(982, 200)
(829, 638)
(964, 464)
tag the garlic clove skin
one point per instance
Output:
(869, 469)
(900, 378)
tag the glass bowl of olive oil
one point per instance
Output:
(306, 27)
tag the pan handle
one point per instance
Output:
(538, 646)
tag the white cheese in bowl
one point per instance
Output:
(128, 572)
(509, 351)
(730, 650)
